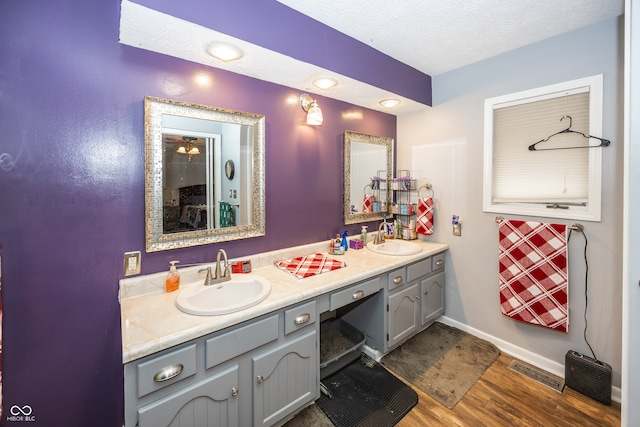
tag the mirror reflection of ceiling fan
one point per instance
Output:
(186, 145)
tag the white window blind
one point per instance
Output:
(544, 175)
(551, 181)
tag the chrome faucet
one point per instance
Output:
(219, 276)
(378, 238)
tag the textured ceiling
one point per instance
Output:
(432, 36)
(435, 36)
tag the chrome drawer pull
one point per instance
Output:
(440, 263)
(302, 319)
(358, 295)
(234, 392)
(260, 379)
(398, 280)
(168, 372)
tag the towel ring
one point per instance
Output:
(365, 188)
(427, 187)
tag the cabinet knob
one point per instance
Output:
(304, 318)
(440, 262)
(426, 292)
(234, 392)
(260, 379)
(358, 295)
(418, 297)
(168, 372)
(398, 280)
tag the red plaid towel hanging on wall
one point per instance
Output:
(424, 217)
(533, 273)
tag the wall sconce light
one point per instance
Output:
(314, 113)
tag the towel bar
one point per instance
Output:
(574, 227)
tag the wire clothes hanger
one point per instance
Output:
(603, 142)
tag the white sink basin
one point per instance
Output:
(395, 247)
(242, 291)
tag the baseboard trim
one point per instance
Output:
(534, 359)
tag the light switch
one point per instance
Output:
(457, 226)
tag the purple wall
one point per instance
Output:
(72, 194)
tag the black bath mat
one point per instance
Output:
(364, 394)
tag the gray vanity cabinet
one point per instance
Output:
(253, 374)
(212, 402)
(412, 298)
(285, 379)
(432, 298)
(404, 314)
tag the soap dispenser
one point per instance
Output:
(173, 278)
(363, 234)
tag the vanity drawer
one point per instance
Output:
(165, 370)
(299, 317)
(437, 262)
(418, 269)
(238, 341)
(397, 277)
(353, 293)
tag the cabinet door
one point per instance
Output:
(285, 379)
(432, 298)
(404, 312)
(212, 402)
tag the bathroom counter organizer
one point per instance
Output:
(378, 184)
(402, 188)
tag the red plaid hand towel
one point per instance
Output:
(533, 273)
(309, 265)
(424, 221)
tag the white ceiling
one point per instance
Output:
(436, 36)
(433, 36)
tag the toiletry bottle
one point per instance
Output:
(173, 278)
(337, 246)
(363, 235)
(345, 244)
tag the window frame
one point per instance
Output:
(591, 212)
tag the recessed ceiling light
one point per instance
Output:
(325, 83)
(389, 103)
(224, 52)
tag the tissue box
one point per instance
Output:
(356, 244)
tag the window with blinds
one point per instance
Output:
(562, 177)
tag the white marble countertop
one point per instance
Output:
(151, 322)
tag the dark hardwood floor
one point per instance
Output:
(502, 397)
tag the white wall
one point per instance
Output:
(444, 145)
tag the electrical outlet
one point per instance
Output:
(131, 263)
